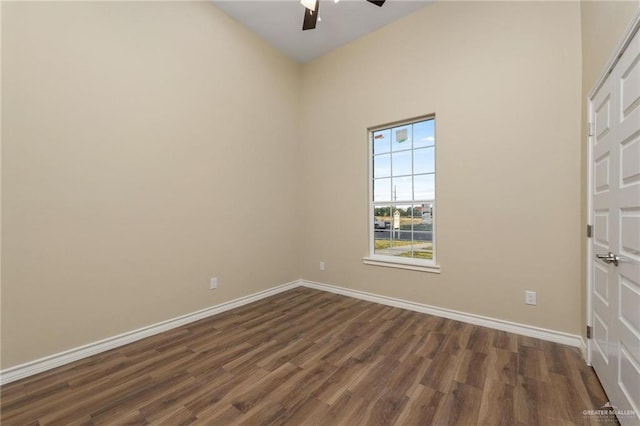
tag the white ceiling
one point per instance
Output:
(279, 22)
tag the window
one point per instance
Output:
(402, 194)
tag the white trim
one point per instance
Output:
(495, 323)
(375, 261)
(56, 360)
(43, 364)
(589, 241)
(583, 350)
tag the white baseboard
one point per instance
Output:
(584, 348)
(498, 324)
(43, 364)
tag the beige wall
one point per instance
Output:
(146, 148)
(150, 146)
(603, 26)
(504, 82)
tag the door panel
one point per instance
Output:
(629, 302)
(615, 285)
(630, 235)
(629, 374)
(601, 277)
(600, 340)
(629, 155)
(630, 88)
(602, 174)
(601, 284)
(602, 119)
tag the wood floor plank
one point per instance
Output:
(504, 340)
(472, 369)
(249, 360)
(348, 374)
(284, 354)
(386, 409)
(352, 410)
(400, 346)
(216, 388)
(309, 412)
(534, 402)
(430, 344)
(373, 384)
(180, 416)
(266, 413)
(307, 357)
(343, 350)
(422, 406)
(456, 339)
(441, 372)
(168, 399)
(404, 378)
(305, 384)
(461, 406)
(497, 406)
(318, 351)
(502, 366)
(532, 364)
(222, 414)
(480, 339)
(245, 396)
(131, 401)
(69, 408)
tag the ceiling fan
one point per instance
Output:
(311, 12)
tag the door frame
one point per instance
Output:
(631, 30)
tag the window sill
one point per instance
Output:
(434, 269)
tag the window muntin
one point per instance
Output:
(402, 194)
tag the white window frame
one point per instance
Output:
(425, 265)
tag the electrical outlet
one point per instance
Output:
(322, 266)
(530, 297)
(213, 283)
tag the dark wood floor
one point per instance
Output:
(310, 357)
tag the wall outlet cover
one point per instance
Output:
(530, 297)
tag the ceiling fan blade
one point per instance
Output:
(310, 17)
(377, 2)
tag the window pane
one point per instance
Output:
(420, 250)
(415, 213)
(424, 187)
(402, 163)
(382, 190)
(403, 171)
(422, 233)
(382, 223)
(423, 160)
(382, 166)
(396, 240)
(421, 237)
(427, 216)
(423, 134)
(401, 138)
(402, 189)
(381, 141)
(382, 216)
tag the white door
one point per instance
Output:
(615, 244)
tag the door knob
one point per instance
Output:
(609, 258)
